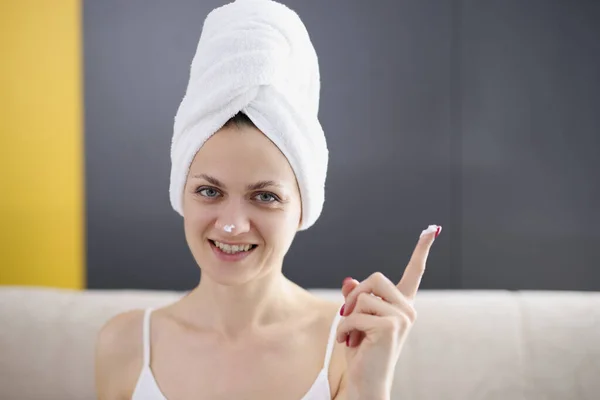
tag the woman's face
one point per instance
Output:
(240, 192)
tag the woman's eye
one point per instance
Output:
(266, 197)
(208, 192)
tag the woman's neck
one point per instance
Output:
(235, 310)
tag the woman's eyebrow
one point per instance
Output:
(253, 186)
(210, 179)
(263, 184)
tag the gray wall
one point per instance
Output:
(481, 116)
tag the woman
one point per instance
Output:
(244, 186)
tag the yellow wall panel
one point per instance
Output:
(41, 144)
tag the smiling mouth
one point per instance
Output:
(233, 249)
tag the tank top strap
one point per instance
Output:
(331, 340)
(146, 336)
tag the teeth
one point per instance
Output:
(232, 249)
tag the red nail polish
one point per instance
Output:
(346, 280)
(342, 310)
(437, 232)
(348, 340)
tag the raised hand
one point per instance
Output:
(378, 317)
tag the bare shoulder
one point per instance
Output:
(326, 303)
(118, 355)
(330, 309)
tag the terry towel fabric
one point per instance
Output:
(255, 56)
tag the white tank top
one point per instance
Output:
(147, 388)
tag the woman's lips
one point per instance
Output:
(230, 257)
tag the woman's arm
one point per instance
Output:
(343, 392)
(118, 346)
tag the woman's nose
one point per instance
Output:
(233, 219)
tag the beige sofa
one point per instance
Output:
(465, 344)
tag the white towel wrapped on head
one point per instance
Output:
(255, 56)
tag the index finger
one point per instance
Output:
(411, 279)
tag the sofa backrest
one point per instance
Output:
(464, 345)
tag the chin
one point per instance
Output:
(225, 269)
(233, 273)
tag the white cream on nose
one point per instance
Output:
(228, 228)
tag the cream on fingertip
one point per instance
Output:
(430, 229)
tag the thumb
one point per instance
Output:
(354, 337)
(349, 285)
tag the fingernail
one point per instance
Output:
(342, 310)
(430, 229)
(346, 280)
(439, 229)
